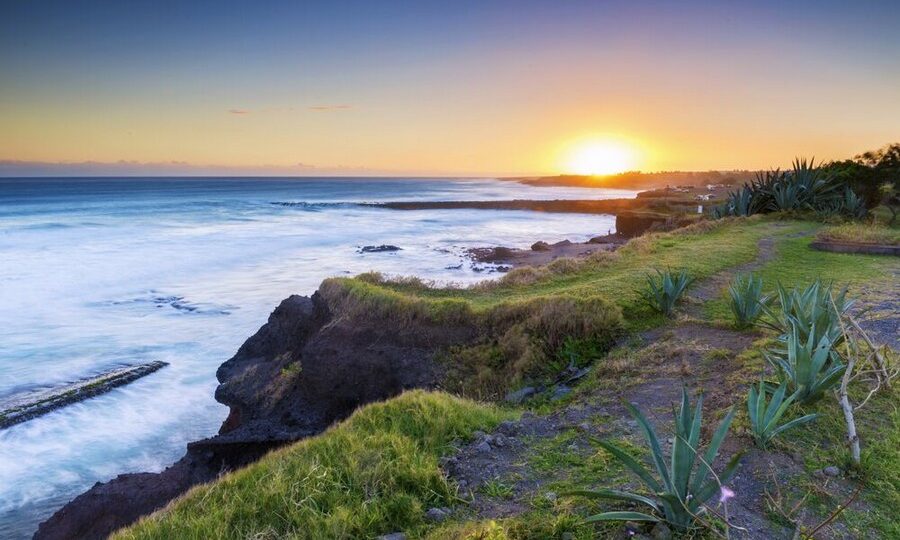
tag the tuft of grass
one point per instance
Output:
(564, 265)
(375, 473)
(496, 488)
(521, 276)
(861, 233)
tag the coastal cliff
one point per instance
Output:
(306, 368)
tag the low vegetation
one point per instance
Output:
(804, 188)
(810, 368)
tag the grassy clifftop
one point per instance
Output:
(379, 471)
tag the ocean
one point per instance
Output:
(102, 272)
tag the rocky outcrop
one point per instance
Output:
(307, 367)
(631, 224)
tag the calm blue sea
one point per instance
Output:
(96, 273)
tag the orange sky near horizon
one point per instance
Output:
(493, 94)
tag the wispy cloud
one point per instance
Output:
(329, 107)
(238, 111)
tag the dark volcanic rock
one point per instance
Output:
(379, 249)
(540, 245)
(631, 224)
(492, 254)
(303, 370)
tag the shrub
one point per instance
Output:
(680, 492)
(523, 340)
(853, 206)
(602, 259)
(765, 417)
(747, 300)
(553, 319)
(810, 368)
(664, 290)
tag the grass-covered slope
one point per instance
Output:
(378, 472)
(375, 473)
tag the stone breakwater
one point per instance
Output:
(31, 404)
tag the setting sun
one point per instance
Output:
(599, 158)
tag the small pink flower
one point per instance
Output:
(725, 495)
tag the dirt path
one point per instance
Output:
(715, 285)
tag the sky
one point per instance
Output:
(440, 88)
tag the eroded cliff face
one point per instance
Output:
(307, 367)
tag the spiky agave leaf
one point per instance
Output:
(808, 367)
(615, 494)
(684, 485)
(765, 417)
(622, 516)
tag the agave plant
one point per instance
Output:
(747, 299)
(683, 485)
(816, 187)
(665, 289)
(808, 367)
(765, 417)
(814, 311)
(739, 202)
(853, 205)
(786, 196)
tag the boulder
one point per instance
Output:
(379, 249)
(437, 515)
(520, 395)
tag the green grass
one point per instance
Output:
(797, 264)
(701, 250)
(375, 473)
(823, 443)
(496, 488)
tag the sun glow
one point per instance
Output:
(600, 157)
